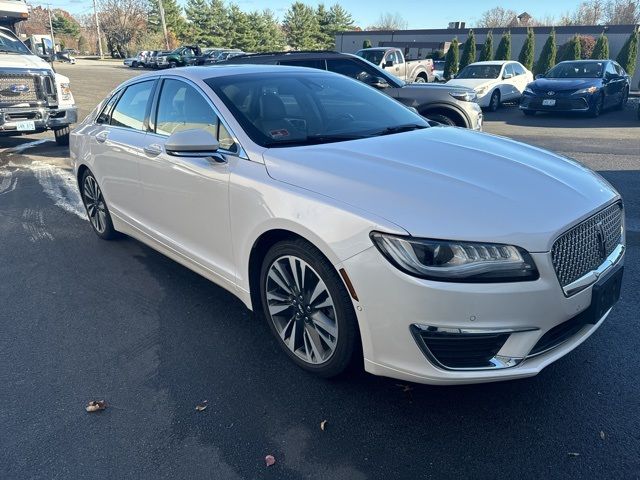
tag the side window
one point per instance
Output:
(519, 69)
(105, 114)
(611, 69)
(319, 64)
(351, 68)
(131, 108)
(508, 69)
(391, 57)
(182, 107)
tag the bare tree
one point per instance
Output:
(497, 17)
(622, 12)
(122, 22)
(587, 13)
(390, 21)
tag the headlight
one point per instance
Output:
(66, 91)
(456, 261)
(482, 90)
(586, 90)
(464, 96)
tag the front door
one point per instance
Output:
(186, 198)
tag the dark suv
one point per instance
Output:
(455, 106)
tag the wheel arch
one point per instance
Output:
(457, 115)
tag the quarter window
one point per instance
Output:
(131, 109)
(105, 114)
(518, 69)
(182, 107)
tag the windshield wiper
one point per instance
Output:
(401, 128)
(316, 140)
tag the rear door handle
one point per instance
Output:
(153, 150)
(102, 136)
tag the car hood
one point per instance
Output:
(23, 61)
(473, 83)
(560, 84)
(450, 183)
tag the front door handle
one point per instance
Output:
(153, 150)
(102, 136)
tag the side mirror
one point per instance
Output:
(608, 76)
(506, 76)
(388, 63)
(540, 75)
(196, 142)
(377, 82)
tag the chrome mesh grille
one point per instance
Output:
(13, 86)
(580, 250)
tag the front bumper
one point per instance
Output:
(392, 303)
(43, 118)
(561, 102)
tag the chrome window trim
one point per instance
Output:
(241, 153)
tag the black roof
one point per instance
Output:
(290, 54)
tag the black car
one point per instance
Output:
(455, 106)
(578, 86)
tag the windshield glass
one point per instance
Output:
(374, 56)
(292, 109)
(480, 71)
(576, 70)
(10, 44)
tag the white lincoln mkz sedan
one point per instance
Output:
(356, 229)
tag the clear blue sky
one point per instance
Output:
(419, 13)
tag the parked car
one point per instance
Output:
(447, 105)
(438, 71)
(494, 82)
(353, 227)
(219, 55)
(65, 57)
(152, 62)
(392, 60)
(180, 57)
(578, 86)
(129, 62)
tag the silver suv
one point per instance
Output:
(455, 106)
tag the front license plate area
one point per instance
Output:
(548, 103)
(606, 292)
(25, 126)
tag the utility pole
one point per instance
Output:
(53, 40)
(164, 24)
(95, 12)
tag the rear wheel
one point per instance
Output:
(494, 103)
(96, 207)
(308, 308)
(62, 136)
(420, 79)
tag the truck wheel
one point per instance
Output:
(173, 64)
(420, 79)
(62, 136)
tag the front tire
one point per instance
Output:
(597, 108)
(494, 103)
(308, 308)
(173, 64)
(62, 136)
(96, 207)
(623, 100)
(420, 79)
(443, 119)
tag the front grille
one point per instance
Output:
(460, 351)
(16, 88)
(586, 246)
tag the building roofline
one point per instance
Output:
(570, 29)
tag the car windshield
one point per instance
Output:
(293, 109)
(576, 70)
(10, 44)
(374, 56)
(480, 71)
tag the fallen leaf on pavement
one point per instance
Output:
(202, 406)
(95, 406)
(573, 454)
(269, 460)
(602, 435)
(322, 424)
(405, 388)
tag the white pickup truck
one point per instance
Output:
(392, 60)
(33, 97)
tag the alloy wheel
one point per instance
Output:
(94, 203)
(301, 309)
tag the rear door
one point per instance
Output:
(117, 146)
(521, 79)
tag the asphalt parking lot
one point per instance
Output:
(82, 319)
